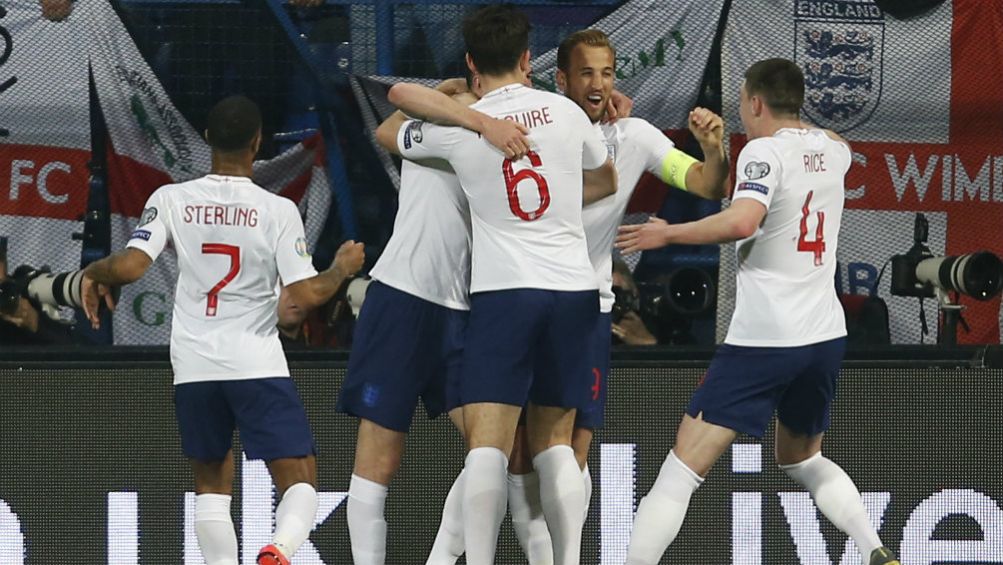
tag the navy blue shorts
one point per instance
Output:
(593, 417)
(404, 348)
(745, 385)
(267, 412)
(528, 345)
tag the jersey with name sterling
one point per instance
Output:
(526, 215)
(234, 241)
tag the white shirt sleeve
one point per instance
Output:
(292, 254)
(654, 145)
(758, 173)
(152, 232)
(594, 152)
(418, 140)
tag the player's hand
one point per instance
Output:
(619, 106)
(707, 127)
(639, 237)
(56, 10)
(92, 295)
(508, 136)
(350, 257)
(632, 331)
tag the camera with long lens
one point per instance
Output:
(49, 291)
(920, 273)
(670, 307)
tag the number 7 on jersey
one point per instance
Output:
(233, 252)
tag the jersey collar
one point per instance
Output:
(514, 87)
(221, 178)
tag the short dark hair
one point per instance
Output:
(233, 122)
(587, 37)
(779, 82)
(496, 36)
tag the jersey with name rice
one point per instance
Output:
(234, 241)
(635, 146)
(428, 255)
(526, 215)
(786, 294)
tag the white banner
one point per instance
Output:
(661, 54)
(868, 75)
(44, 135)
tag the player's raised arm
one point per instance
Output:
(314, 291)
(708, 179)
(439, 108)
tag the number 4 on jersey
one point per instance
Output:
(818, 245)
(233, 252)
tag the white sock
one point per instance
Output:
(484, 498)
(562, 495)
(837, 498)
(294, 518)
(661, 512)
(527, 518)
(587, 478)
(214, 529)
(448, 546)
(367, 528)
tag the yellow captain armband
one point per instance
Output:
(675, 165)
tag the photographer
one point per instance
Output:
(22, 320)
(628, 328)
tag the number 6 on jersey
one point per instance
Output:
(233, 252)
(512, 180)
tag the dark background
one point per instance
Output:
(76, 425)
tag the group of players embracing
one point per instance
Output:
(491, 303)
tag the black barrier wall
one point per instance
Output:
(91, 470)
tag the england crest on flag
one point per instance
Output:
(838, 45)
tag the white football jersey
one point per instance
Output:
(428, 255)
(526, 215)
(635, 147)
(234, 241)
(786, 293)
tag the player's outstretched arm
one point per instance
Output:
(708, 179)
(124, 267)
(599, 183)
(314, 291)
(121, 268)
(738, 221)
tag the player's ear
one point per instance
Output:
(471, 65)
(757, 105)
(562, 80)
(256, 142)
(524, 62)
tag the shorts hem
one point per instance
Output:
(731, 424)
